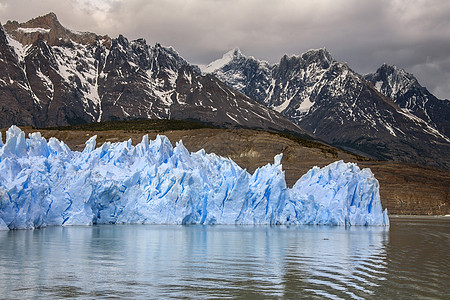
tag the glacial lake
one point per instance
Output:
(408, 260)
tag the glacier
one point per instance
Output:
(45, 183)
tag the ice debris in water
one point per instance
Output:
(45, 183)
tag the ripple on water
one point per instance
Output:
(410, 260)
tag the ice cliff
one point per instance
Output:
(44, 183)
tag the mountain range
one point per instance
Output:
(385, 115)
(52, 76)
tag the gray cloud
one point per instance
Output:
(414, 35)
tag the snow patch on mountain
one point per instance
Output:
(404, 89)
(305, 105)
(33, 30)
(19, 49)
(221, 62)
(77, 65)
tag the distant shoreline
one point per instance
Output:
(395, 216)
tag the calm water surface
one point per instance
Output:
(411, 259)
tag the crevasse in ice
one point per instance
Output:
(44, 183)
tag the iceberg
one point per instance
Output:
(45, 183)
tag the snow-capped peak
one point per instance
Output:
(321, 54)
(392, 81)
(219, 63)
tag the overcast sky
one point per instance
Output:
(411, 34)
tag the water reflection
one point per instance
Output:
(339, 263)
(141, 261)
(418, 259)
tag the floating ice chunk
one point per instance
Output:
(45, 183)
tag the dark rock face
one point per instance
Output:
(48, 28)
(65, 78)
(246, 74)
(60, 102)
(36, 93)
(405, 90)
(16, 105)
(52, 76)
(343, 108)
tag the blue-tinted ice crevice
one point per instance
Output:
(44, 183)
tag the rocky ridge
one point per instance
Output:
(405, 90)
(63, 78)
(54, 76)
(50, 29)
(340, 106)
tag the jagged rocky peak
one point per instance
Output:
(234, 53)
(318, 55)
(392, 81)
(406, 91)
(227, 58)
(49, 28)
(167, 58)
(2, 34)
(142, 52)
(48, 21)
(122, 44)
(124, 51)
(320, 58)
(313, 55)
(159, 49)
(122, 41)
(388, 70)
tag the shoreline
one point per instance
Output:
(396, 216)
